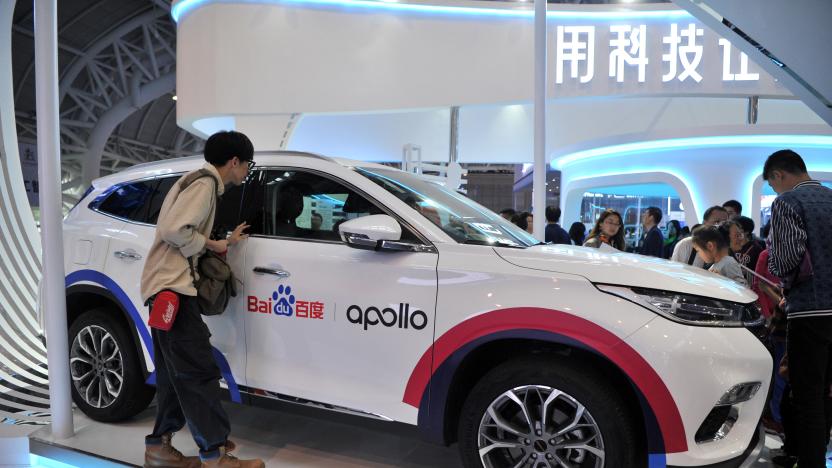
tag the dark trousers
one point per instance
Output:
(789, 430)
(187, 382)
(810, 375)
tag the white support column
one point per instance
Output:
(539, 176)
(49, 173)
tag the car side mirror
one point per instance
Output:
(374, 232)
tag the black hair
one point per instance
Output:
(737, 206)
(676, 224)
(315, 213)
(745, 223)
(508, 211)
(222, 146)
(706, 234)
(784, 160)
(711, 210)
(655, 212)
(552, 214)
(522, 220)
(577, 232)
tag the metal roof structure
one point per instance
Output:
(117, 62)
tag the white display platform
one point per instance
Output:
(291, 437)
(14, 444)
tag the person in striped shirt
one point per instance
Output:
(800, 254)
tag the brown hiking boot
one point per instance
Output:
(226, 460)
(165, 456)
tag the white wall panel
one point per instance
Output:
(23, 375)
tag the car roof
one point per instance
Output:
(189, 163)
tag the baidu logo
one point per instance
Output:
(284, 301)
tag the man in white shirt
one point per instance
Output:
(684, 251)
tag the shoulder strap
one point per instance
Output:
(194, 176)
(184, 184)
(692, 256)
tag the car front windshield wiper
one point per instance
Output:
(495, 243)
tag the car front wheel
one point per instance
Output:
(537, 412)
(107, 382)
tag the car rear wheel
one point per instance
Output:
(107, 382)
(536, 412)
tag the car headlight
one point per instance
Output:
(690, 309)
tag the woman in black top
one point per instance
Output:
(607, 230)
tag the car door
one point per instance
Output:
(327, 322)
(129, 247)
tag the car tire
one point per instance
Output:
(108, 384)
(492, 411)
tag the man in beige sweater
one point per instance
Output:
(187, 375)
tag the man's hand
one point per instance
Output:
(237, 235)
(218, 246)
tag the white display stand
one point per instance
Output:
(292, 436)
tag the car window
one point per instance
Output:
(461, 218)
(129, 201)
(158, 196)
(228, 211)
(305, 205)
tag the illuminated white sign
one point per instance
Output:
(743, 75)
(628, 48)
(654, 54)
(579, 48)
(689, 54)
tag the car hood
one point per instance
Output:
(624, 269)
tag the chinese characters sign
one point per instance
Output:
(650, 57)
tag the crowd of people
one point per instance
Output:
(789, 267)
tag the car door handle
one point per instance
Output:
(272, 271)
(128, 254)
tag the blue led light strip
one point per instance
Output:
(184, 6)
(690, 143)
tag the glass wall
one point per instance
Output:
(630, 201)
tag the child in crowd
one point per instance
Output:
(711, 244)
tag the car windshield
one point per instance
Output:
(460, 217)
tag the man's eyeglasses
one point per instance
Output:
(251, 164)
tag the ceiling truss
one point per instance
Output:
(114, 77)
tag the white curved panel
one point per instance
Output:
(409, 56)
(714, 168)
(23, 373)
(573, 192)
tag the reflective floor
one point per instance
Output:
(293, 437)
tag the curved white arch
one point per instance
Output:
(574, 189)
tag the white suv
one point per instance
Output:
(376, 292)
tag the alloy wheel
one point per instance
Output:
(96, 366)
(539, 427)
